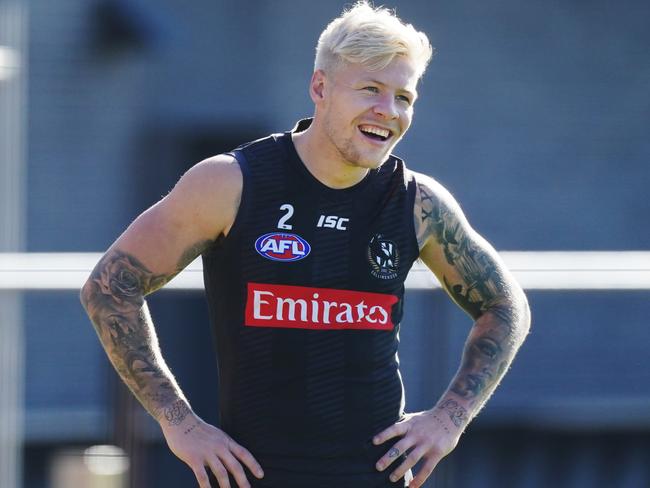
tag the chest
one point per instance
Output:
(361, 240)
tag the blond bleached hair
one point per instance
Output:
(371, 36)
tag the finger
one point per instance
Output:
(201, 477)
(394, 453)
(410, 461)
(235, 469)
(395, 430)
(424, 473)
(247, 458)
(219, 472)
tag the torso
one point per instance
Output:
(305, 294)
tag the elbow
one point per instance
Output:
(85, 294)
(88, 296)
(523, 314)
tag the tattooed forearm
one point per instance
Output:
(456, 412)
(114, 299)
(490, 348)
(176, 412)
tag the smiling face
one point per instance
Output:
(363, 114)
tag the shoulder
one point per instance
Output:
(211, 178)
(430, 190)
(209, 193)
(434, 206)
(220, 170)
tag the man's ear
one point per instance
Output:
(317, 86)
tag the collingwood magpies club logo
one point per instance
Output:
(383, 257)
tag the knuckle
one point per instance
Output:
(243, 454)
(426, 471)
(418, 452)
(253, 465)
(435, 449)
(407, 464)
(395, 476)
(202, 478)
(223, 481)
(218, 470)
(221, 450)
(239, 475)
(232, 463)
(399, 445)
(235, 468)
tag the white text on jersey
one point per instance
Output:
(333, 222)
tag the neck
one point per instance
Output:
(324, 161)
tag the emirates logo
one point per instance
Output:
(383, 257)
(302, 307)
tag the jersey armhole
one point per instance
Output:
(412, 195)
(239, 156)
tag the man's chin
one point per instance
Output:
(369, 161)
(373, 163)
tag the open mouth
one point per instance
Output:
(375, 133)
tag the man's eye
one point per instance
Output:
(403, 98)
(372, 89)
(487, 347)
(488, 350)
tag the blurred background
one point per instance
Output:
(534, 114)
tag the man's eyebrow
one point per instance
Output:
(413, 95)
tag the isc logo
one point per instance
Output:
(332, 222)
(279, 246)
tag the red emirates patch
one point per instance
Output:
(302, 307)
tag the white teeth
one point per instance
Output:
(375, 130)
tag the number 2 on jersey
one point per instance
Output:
(282, 223)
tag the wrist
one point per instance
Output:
(452, 411)
(174, 414)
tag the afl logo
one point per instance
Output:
(278, 246)
(383, 257)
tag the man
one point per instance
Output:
(307, 238)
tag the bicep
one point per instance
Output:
(172, 233)
(466, 265)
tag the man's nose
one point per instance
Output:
(387, 108)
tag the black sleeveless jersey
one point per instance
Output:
(305, 297)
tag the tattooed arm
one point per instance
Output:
(154, 248)
(473, 275)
